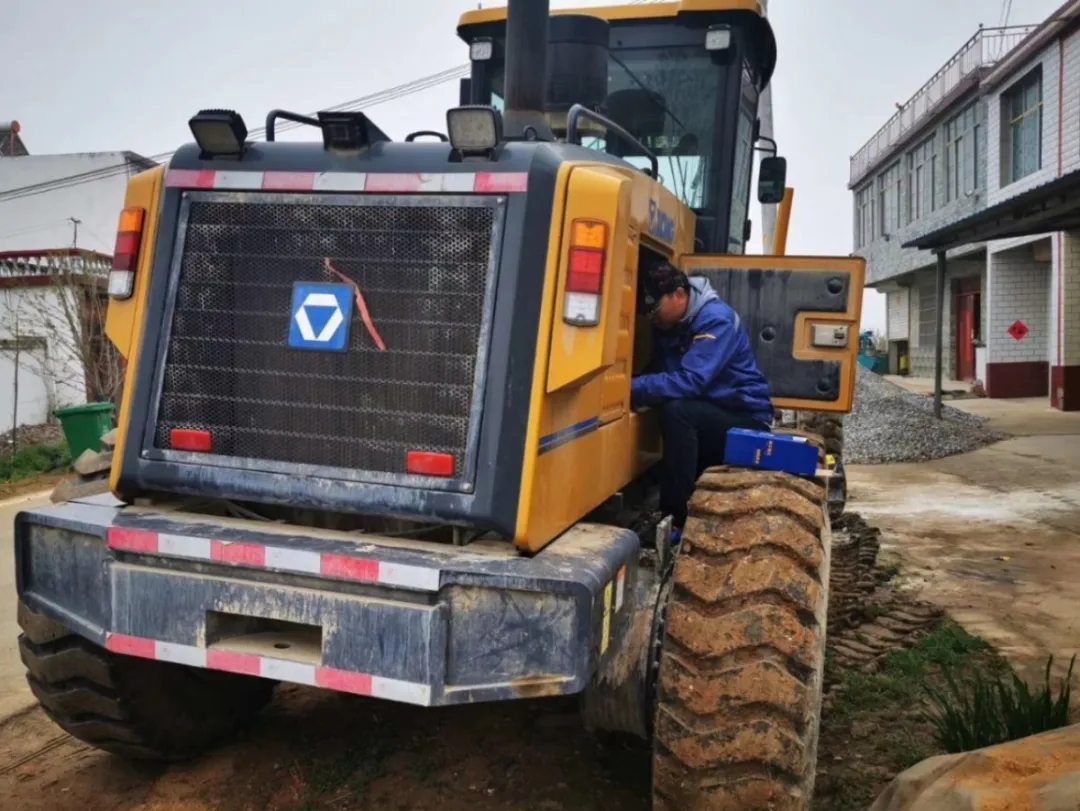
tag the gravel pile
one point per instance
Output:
(888, 424)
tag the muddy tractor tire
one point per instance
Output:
(738, 696)
(136, 708)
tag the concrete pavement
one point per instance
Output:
(14, 694)
(991, 536)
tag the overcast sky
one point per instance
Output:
(112, 74)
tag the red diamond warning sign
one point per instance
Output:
(1018, 331)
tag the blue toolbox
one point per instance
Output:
(767, 451)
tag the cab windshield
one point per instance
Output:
(667, 98)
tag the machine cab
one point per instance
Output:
(683, 78)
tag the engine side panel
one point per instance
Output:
(584, 443)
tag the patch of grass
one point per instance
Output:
(949, 647)
(905, 674)
(876, 725)
(978, 710)
(34, 461)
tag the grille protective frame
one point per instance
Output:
(464, 480)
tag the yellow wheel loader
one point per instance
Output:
(376, 433)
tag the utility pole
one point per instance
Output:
(75, 237)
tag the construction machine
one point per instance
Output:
(376, 435)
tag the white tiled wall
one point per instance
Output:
(913, 317)
(897, 315)
(1069, 287)
(1019, 289)
(1070, 105)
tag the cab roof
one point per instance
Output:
(761, 31)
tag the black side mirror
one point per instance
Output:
(772, 180)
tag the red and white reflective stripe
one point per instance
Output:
(268, 667)
(279, 558)
(375, 182)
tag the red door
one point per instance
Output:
(965, 336)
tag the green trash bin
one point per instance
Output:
(85, 425)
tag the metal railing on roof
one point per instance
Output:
(986, 48)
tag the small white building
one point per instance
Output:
(58, 217)
(64, 201)
(53, 351)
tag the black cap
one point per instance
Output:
(658, 281)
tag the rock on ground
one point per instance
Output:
(1040, 773)
(888, 424)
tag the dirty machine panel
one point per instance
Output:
(802, 314)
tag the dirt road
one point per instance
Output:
(14, 694)
(318, 750)
(991, 536)
(315, 750)
(994, 538)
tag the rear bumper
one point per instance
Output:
(398, 620)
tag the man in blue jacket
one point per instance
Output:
(703, 377)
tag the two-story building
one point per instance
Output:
(927, 167)
(1005, 163)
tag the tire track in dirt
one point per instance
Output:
(868, 620)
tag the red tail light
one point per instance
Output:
(421, 463)
(126, 253)
(585, 273)
(190, 439)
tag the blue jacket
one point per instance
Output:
(706, 356)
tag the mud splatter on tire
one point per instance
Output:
(741, 670)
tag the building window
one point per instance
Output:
(864, 216)
(922, 179)
(889, 199)
(1021, 108)
(961, 154)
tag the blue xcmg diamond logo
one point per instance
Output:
(321, 314)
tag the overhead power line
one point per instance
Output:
(375, 99)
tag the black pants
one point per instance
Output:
(695, 434)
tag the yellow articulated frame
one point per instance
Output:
(124, 319)
(855, 269)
